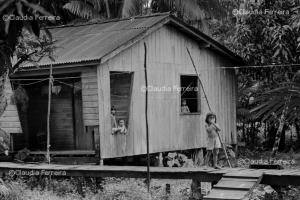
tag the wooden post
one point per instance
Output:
(160, 160)
(198, 160)
(146, 118)
(48, 115)
(168, 190)
(96, 133)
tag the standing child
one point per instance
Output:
(213, 140)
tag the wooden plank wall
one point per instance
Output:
(10, 121)
(90, 97)
(61, 120)
(167, 60)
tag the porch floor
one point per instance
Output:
(65, 153)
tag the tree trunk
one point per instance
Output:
(282, 139)
(244, 134)
(280, 128)
(198, 160)
(107, 9)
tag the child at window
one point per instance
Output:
(121, 126)
(213, 141)
(184, 107)
(113, 120)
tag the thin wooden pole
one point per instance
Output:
(48, 114)
(146, 118)
(199, 79)
(223, 146)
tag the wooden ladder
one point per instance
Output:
(235, 185)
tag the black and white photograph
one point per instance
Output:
(150, 99)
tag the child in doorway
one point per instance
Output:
(121, 126)
(113, 120)
(184, 107)
(213, 140)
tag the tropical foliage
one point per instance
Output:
(194, 12)
(11, 28)
(20, 38)
(271, 40)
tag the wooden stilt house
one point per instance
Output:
(101, 65)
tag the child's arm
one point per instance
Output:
(114, 130)
(217, 127)
(187, 109)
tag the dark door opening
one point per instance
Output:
(65, 118)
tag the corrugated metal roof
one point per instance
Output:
(80, 43)
(91, 42)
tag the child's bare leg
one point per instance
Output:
(207, 157)
(215, 157)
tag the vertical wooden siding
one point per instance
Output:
(90, 97)
(10, 121)
(167, 60)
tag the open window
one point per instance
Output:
(190, 94)
(120, 92)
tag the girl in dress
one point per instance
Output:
(213, 141)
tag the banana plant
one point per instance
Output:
(279, 105)
(271, 103)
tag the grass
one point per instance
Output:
(115, 189)
(84, 189)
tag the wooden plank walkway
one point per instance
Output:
(233, 183)
(235, 186)
(9, 168)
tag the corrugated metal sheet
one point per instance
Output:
(90, 42)
(81, 43)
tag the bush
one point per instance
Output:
(9, 191)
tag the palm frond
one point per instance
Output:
(82, 9)
(272, 102)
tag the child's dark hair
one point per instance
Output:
(121, 120)
(208, 115)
